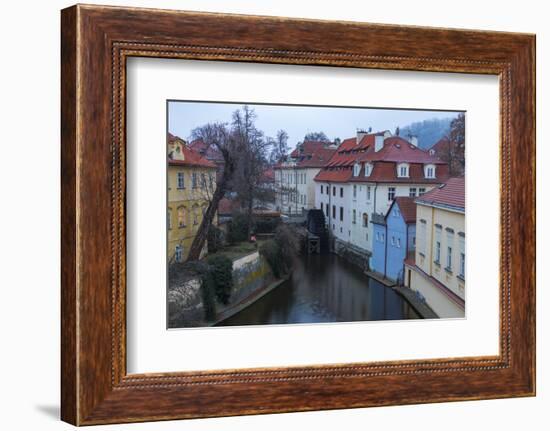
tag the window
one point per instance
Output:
(341, 192)
(377, 236)
(203, 180)
(333, 191)
(365, 220)
(429, 171)
(462, 250)
(422, 237)
(450, 258)
(169, 218)
(178, 253)
(450, 243)
(412, 192)
(181, 180)
(437, 257)
(327, 210)
(392, 240)
(181, 217)
(402, 170)
(322, 207)
(398, 242)
(354, 217)
(368, 169)
(391, 193)
(356, 169)
(194, 180)
(321, 189)
(211, 179)
(354, 191)
(334, 211)
(368, 193)
(421, 191)
(382, 237)
(341, 213)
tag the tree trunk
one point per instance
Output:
(202, 233)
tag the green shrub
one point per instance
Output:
(271, 251)
(221, 271)
(215, 239)
(266, 225)
(208, 293)
(238, 228)
(281, 251)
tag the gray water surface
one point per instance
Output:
(325, 288)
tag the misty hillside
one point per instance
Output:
(427, 131)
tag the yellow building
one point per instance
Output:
(438, 270)
(191, 184)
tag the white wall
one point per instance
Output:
(30, 256)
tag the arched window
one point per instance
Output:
(181, 216)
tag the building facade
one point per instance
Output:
(191, 183)
(438, 269)
(394, 238)
(368, 172)
(294, 177)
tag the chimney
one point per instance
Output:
(413, 140)
(361, 133)
(378, 143)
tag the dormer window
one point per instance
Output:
(356, 169)
(368, 169)
(429, 171)
(403, 170)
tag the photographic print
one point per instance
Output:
(286, 214)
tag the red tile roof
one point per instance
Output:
(407, 208)
(209, 151)
(451, 194)
(314, 154)
(395, 149)
(228, 206)
(190, 157)
(308, 147)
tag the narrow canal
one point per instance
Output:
(325, 288)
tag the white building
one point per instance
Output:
(294, 177)
(365, 175)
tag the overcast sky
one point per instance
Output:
(336, 122)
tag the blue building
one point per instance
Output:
(394, 238)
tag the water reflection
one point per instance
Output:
(325, 288)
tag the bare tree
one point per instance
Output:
(252, 160)
(218, 135)
(457, 145)
(243, 148)
(279, 146)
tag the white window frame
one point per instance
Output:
(391, 191)
(429, 171)
(402, 170)
(180, 178)
(368, 169)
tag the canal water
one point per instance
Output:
(325, 288)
